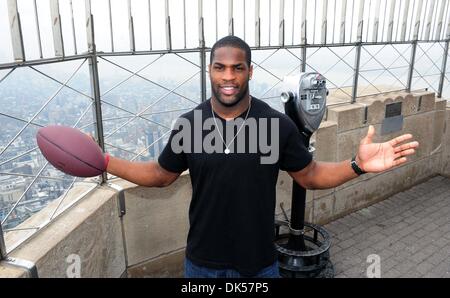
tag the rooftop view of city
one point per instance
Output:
(152, 56)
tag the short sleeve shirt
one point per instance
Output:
(232, 210)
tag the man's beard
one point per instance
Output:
(240, 96)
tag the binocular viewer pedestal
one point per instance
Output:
(303, 248)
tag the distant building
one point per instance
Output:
(152, 137)
(11, 188)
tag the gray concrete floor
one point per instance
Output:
(408, 235)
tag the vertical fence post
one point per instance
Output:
(257, 25)
(168, 29)
(411, 65)
(415, 38)
(201, 36)
(281, 25)
(2, 244)
(131, 28)
(20, 263)
(356, 73)
(444, 66)
(303, 37)
(359, 33)
(303, 63)
(94, 80)
(15, 31)
(230, 18)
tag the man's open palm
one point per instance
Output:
(378, 157)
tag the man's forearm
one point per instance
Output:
(141, 173)
(325, 175)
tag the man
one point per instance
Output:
(233, 201)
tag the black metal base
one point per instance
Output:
(312, 262)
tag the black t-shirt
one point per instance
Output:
(234, 195)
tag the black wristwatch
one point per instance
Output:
(355, 167)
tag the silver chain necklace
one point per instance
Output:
(227, 150)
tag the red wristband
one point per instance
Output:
(106, 160)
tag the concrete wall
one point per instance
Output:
(425, 117)
(149, 240)
(445, 170)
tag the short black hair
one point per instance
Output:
(234, 42)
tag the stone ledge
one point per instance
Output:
(90, 229)
(8, 271)
(170, 264)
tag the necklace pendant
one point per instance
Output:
(227, 151)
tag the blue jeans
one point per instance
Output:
(193, 271)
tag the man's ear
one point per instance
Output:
(250, 72)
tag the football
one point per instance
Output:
(71, 151)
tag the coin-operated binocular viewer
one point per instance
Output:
(303, 247)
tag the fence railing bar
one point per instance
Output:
(150, 23)
(281, 24)
(265, 59)
(23, 194)
(129, 77)
(21, 229)
(168, 28)
(426, 55)
(324, 21)
(313, 67)
(59, 82)
(15, 31)
(303, 36)
(314, 23)
(435, 18)
(151, 105)
(384, 70)
(342, 21)
(38, 31)
(429, 19)
(424, 20)
(390, 28)
(18, 156)
(41, 108)
(257, 24)
(417, 20)
(63, 197)
(184, 23)
(368, 20)
(56, 28)
(189, 61)
(351, 21)
(132, 113)
(73, 28)
(385, 19)
(145, 114)
(148, 80)
(293, 22)
(20, 119)
(244, 18)
(447, 34)
(29, 175)
(405, 20)
(6, 75)
(152, 144)
(376, 21)
(131, 28)
(270, 21)
(111, 32)
(439, 25)
(230, 18)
